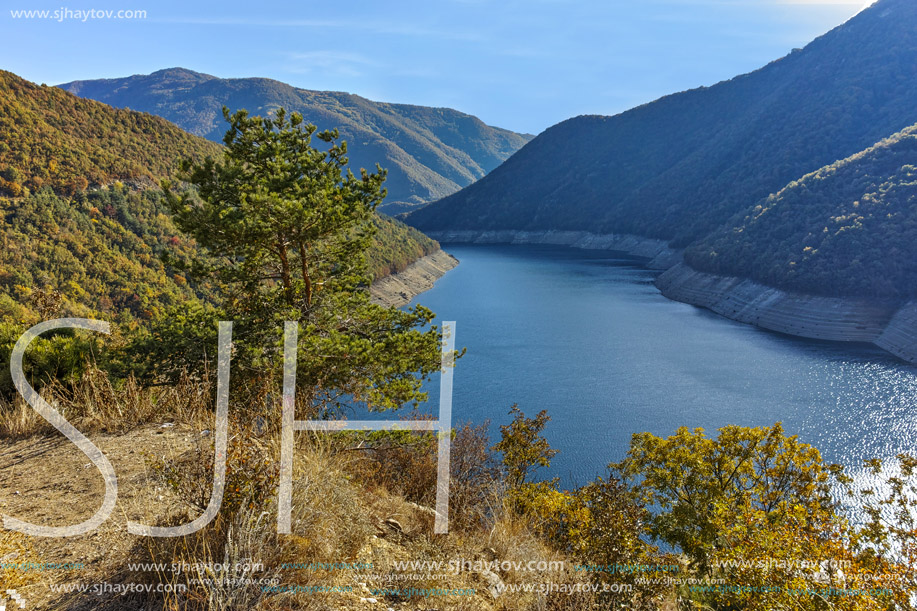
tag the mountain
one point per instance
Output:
(849, 228)
(51, 138)
(83, 221)
(681, 166)
(429, 152)
(72, 223)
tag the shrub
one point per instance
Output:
(405, 463)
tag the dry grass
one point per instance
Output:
(404, 464)
(330, 521)
(18, 420)
(96, 404)
(348, 507)
(15, 550)
(336, 519)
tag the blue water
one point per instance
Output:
(586, 336)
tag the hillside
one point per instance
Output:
(51, 138)
(396, 246)
(83, 221)
(846, 229)
(681, 166)
(101, 252)
(80, 220)
(429, 152)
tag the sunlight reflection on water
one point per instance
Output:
(586, 335)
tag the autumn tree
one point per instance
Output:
(759, 512)
(523, 448)
(690, 478)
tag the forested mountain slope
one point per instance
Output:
(51, 138)
(84, 228)
(429, 152)
(849, 228)
(679, 167)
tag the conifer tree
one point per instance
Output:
(284, 227)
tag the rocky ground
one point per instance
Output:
(399, 289)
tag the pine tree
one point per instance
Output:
(284, 227)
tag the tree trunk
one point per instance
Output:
(305, 273)
(285, 271)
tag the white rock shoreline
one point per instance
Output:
(399, 289)
(892, 327)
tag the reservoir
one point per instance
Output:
(585, 335)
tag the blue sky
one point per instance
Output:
(519, 64)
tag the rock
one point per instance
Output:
(494, 583)
(831, 318)
(398, 289)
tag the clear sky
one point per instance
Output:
(519, 64)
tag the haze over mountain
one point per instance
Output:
(429, 152)
(680, 167)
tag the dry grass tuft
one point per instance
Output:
(96, 404)
(404, 464)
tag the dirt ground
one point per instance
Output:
(48, 481)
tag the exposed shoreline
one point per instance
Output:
(658, 252)
(399, 289)
(889, 326)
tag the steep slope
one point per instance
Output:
(396, 246)
(101, 252)
(83, 225)
(848, 229)
(429, 152)
(51, 138)
(71, 230)
(679, 167)
(95, 254)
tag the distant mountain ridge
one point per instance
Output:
(429, 152)
(680, 167)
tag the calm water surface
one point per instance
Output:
(586, 336)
